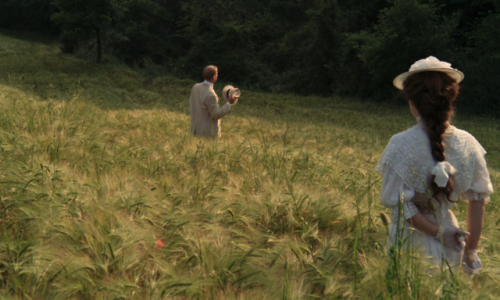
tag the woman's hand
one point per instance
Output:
(450, 237)
(448, 234)
(472, 262)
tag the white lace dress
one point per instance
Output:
(406, 165)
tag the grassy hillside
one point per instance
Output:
(96, 166)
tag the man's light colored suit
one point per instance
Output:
(205, 111)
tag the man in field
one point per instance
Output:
(204, 104)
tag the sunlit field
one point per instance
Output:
(104, 195)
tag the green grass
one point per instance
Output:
(96, 165)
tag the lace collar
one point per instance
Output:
(409, 154)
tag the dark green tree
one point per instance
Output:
(407, 31)
(481, 86)
(28, 15)
(148, 30)
(349, 47)
(83, 20)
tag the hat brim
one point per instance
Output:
(229, 91)
(225, 89)
(455, 74)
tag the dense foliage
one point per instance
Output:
(348, 47)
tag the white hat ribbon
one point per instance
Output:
(430, 63)
(442, 171)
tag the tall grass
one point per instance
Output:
(96, 165)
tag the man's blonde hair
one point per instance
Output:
(209, 72)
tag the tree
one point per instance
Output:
(406, 32)
(482, 66)
(148, 31)
(27, 15)
(87, 19)
(349, 47)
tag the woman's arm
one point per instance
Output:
(423, 224)
(448, 235)
(475, 214)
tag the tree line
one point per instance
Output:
(352, 48)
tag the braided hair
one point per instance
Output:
(433, 94)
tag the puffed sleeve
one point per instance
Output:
(481, 186)
(395, 190)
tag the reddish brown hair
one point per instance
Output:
(433, 94)
(209, 72)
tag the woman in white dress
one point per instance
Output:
(428, 167)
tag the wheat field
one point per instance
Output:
(104, 195)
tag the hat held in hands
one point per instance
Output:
(229, 91)
(429, 64)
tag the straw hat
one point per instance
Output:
(429, 64)
(229, 91)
